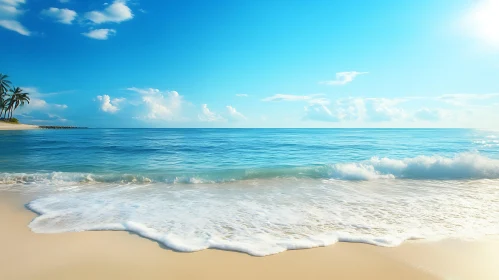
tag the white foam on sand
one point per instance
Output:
(267, 216)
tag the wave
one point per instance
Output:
(69, 177)
(462, 166)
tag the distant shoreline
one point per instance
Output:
(60, 127)
(11, 126)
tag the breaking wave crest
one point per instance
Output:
(462, 166)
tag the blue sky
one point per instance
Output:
(180, 63)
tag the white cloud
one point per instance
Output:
(320, 113)
(99, 34)
(464, 99)
(64, 16)
(36, 103)
(164, 107)
(427, 114)
(44, 118)
(9, 13)
(38, 107)
(107, 105)
(208, 116)
(234, 115)
(11, 6)
(289, 97)
(380, 109)
(482, 21)
(242, 95)
(57, 118)
(15, 26)
(356, 109)
(145, 91)
(12, 2)
(449, 110)
(372, 109)
(116, 12)
(319, 101)
(9, 10)
(61, 106)
(343, 78)
(161, 106)
(342, 110)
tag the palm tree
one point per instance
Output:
(16, 99)
(4, 84)
(4, 88)
(3, 106)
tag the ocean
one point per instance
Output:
(258, 191)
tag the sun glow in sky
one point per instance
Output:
(483, 21)
(255, 63)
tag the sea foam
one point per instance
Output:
(267, 216)
(462, 166)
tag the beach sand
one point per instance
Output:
(121, 255)
(9, 126)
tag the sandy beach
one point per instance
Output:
(258, 140)
(8, 126)
(121, 255)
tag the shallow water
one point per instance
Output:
(260, 191)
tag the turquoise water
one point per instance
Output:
(165, 154)
(259, 191)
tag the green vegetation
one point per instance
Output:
(10, 99)
(11, 120)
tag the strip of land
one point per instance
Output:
(121, 255)
(10, 126)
